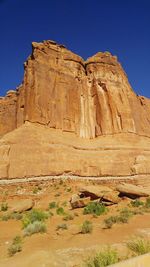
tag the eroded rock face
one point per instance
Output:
(61, 90)
(8, 112)
(71, 116)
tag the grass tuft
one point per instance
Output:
(87, 227)
(4, 206)
(33, 216)
(139, 246)
(62, 226)
(95, 208)
(16, 246)
(104, 258)
(35, 227)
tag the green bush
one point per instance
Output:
(139, 246)
(11, 216)
(16, 216)
(69, 189)
(110, 221)
(87, 227)
(123, 217)
(62, 226)
(35, 227)
(104, 258)
(34, 215)
(147, 204)
(4, 206)
(94, 208)
(16, 246)
(60, 211)
(6, 217)
(125, 214)
(52, 205)
(68, 217)
(136, 203)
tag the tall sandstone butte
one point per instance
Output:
(107, 123)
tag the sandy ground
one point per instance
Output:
(66, 248)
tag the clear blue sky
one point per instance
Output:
(84, 26)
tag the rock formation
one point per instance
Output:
(91, 100)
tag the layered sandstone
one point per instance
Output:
(89, 103)
(61, 90)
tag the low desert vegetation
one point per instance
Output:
(139, 246)
(35, 227)
(95, 208)
(137, 203)
(68, 217)
(86, 227)
(109, 255)
(62, 226)
(34, 216)
(53, 205)
(4, 206)
(147, 204)
(34, 222)
(16, 246)
(11, 216)
(103, 258)
(122, 217)
(60, 211)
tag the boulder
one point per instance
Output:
(21, 205)
(131, 190)
(111, 197)
(80, 203)
(95, 191)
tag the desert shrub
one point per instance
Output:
(110, 221)
(50, 214)
(6, 217)
(125, 214)
(68, 217)
(139, 246)
(57, 194)
(86, 227)
(33, 216)
(64, 204)
(136, 203)
(13, 215)
(103, 258)
(61, 182)
(94, 208)
(35, 227)
(123, 217)
(52, 205)
(69, 189)
(60, 211)
(147, 204)
(16, 246)
(36, 189)
(16, 216)
(62, 226)
(4, 206)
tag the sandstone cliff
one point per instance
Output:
(61, 90)
(108, 125)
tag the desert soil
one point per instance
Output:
(62, 248)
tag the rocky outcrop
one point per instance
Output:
(132, 190)
(8, 112)
(90, 98)
(76, 117)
